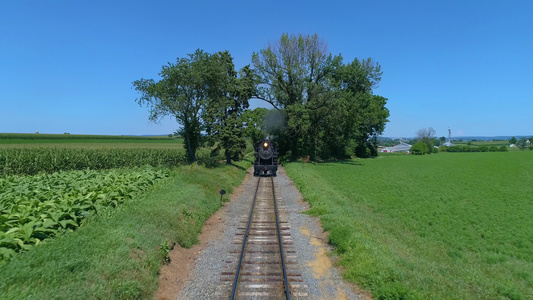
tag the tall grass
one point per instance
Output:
(446, 226)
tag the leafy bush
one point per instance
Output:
(365, 150)
(207, 158)
(419, 148)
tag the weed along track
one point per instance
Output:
(263, 263)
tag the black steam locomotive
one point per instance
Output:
(266, 159)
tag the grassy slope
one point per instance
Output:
(117, 256)
(445, 226)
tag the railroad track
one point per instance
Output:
(264, 265)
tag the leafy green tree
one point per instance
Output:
(419, 148)
(253, 121)
(522, 143)
(229, 92)
(327, 107)
(364, 114)
(205, 94)
(427, 136)
(292, 71)
(295, 75)
(442, 140)
(181, 93)
(513, 140)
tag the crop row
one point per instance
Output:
(41, 136)
(33, 208)
(34, 160)
(29, 161)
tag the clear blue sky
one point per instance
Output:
(67, 66)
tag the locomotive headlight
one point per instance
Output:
(265, 145)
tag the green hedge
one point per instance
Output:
(460, 148)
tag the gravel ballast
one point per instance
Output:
(321, 278)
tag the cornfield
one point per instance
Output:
(34, 160)
(44, 136)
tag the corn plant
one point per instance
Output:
(33, 160)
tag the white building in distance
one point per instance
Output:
(402, 147)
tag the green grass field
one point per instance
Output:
(443, 226)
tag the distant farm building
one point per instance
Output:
(402, 147)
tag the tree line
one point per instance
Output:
(522, 143)
(427, 143)
(322, 107)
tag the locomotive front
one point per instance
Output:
(266, 159)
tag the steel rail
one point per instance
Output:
(286, 281)
(244, 243)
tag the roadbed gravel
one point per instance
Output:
(320, 276)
